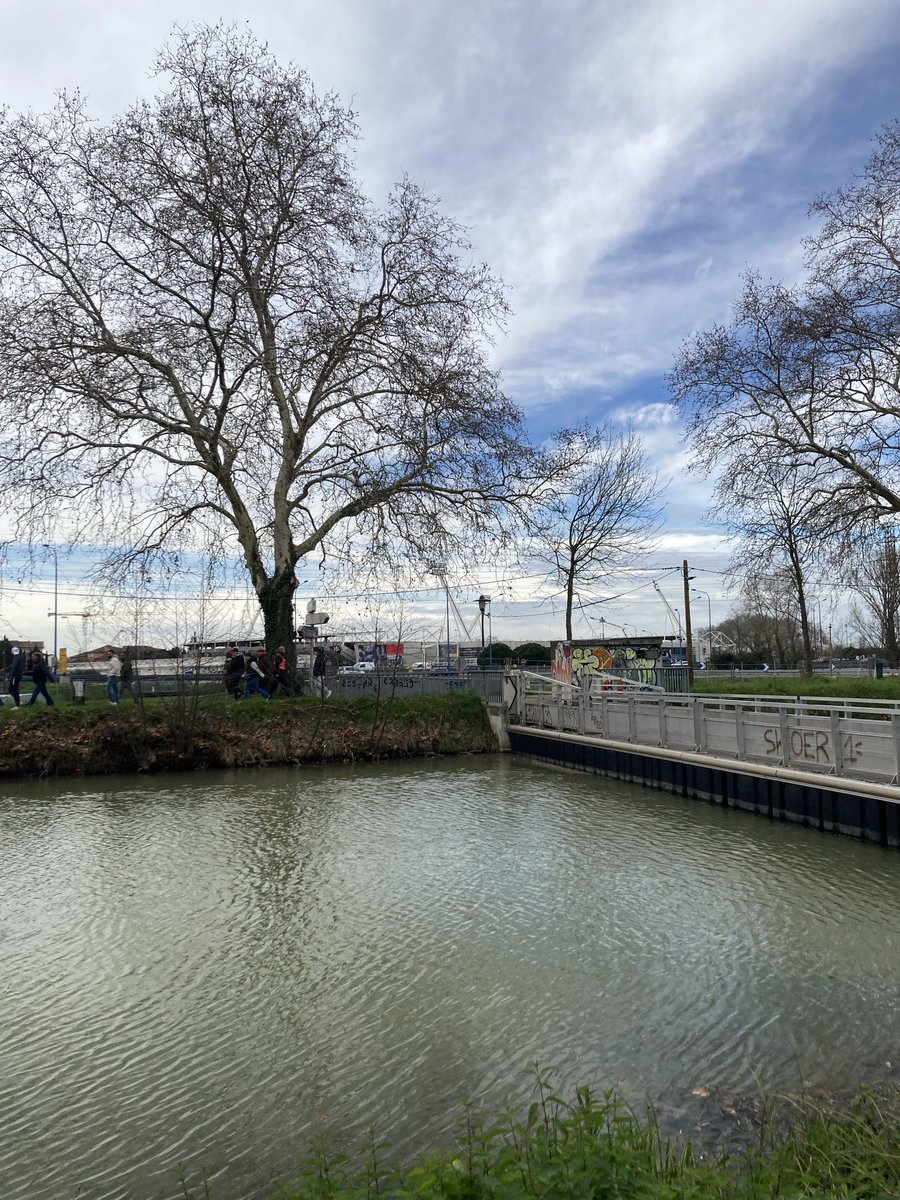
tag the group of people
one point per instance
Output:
(246, 673)
(119, 676)
(40, 669)
(249, 673)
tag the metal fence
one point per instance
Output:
(486, 684)
(852, 739)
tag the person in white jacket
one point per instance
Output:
(113, 676)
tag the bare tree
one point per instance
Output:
(811, 377)
(765, 625)
(207, 334)
(771, 519)
(876, 581)
(604, 510)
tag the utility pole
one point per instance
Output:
(689, 641)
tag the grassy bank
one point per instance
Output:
(802, 685)
(193, 733)
(597, 1146)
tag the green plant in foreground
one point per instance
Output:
(597, 1146)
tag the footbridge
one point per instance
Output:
(832, 764)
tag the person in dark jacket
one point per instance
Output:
(233, 672)
(40, 673)
(253, 677)
(319, 668)
(266, 667)
(280, 672)
(16, 671)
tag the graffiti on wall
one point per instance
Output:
(574, 661)
(812, 746)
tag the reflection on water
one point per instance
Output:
(212, 970)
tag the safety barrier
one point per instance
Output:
(846, 738)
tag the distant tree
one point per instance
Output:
(765, 625)
(603, 511)
(809, 378)
(209, 336)
(532, 652)
(876, 581)
(497, 652)
(771, 519)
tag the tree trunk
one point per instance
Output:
(276, 599)
(570, 596)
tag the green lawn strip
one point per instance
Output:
(852, 687)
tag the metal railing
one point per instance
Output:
(848, 738)
(486, 684)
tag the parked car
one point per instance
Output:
(360, 668)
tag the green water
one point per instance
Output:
(212, 970)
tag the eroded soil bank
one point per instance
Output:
(190, 733)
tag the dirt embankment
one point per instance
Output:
(183, 734)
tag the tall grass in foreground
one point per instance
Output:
(598, 1146)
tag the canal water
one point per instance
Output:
(207, 972)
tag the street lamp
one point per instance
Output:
(700, 592)
(482, 605)
(47, 546)
(439, 571)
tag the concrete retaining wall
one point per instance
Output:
(869, 811)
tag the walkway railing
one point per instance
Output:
(848, 738)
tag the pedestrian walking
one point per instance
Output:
(232, 672)
(266, 667)
(254, 678)
(281, 672)
(40, 673)
(16, 671)
(113, 676)
(319, 668)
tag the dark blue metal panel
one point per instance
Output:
(870, 818)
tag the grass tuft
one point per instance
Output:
(596, 1146)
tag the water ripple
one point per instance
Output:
(210, 971)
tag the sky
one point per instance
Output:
(618, 165)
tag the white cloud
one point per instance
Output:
(619, 165)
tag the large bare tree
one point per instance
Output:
(603, 512)
(810, 377)
(771, 518)
(207, 333)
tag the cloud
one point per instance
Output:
(618, 165)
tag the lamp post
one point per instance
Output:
(47, 546)
(821, 637)
(482, 605)
(700, 592)
(438, 570)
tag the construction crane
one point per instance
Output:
(85, 617)
(673, 615)
(461, 622)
